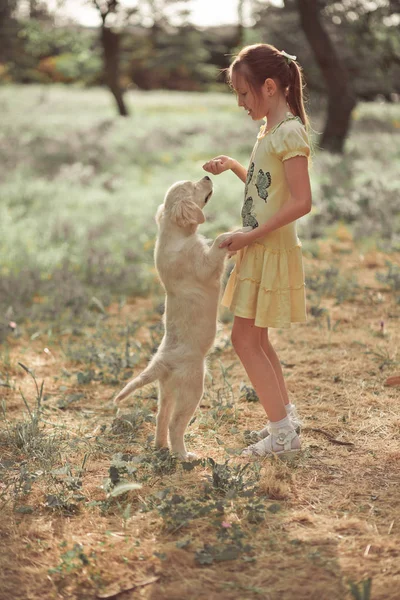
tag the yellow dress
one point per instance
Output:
(267, 282)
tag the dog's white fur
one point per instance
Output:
(190, 272)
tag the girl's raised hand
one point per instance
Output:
(218, 165)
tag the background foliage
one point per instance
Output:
(157, 53)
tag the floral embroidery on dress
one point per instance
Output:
(248, 178)
(263, 182)
(248, 217)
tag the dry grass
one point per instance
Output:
(312, 526)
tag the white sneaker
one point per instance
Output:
(294, 419)
(283, 442)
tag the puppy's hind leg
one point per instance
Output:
(188, 397)
(165, 405)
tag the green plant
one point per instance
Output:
(247, 393)
(230, 547)
(25, 435)
(231, 481)
(391, 278)
(331, 282)
(361, 590)
(72, 560)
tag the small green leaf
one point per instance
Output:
(123, 488)
(25, 510)
(230, 553)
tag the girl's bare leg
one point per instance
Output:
(246, 339)
(275, 362)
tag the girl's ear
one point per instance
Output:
(270, 86)
(186, 212)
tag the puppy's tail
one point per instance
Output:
(155, 370)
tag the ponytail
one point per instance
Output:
(295, 93)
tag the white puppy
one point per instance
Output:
(190, 272)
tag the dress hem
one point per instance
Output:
(266, 290)
(281, 325)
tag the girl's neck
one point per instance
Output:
(278, 114)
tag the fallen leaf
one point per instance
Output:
(393, 381)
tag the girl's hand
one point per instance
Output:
(219, 164)
(236, 241)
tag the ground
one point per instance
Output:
(319, 527)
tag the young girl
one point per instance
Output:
(266, 287)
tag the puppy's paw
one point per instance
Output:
(189, 456)
(222, 237)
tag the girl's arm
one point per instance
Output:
(297, 205)
(222, 163)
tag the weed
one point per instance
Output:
(230, 481)
(361, 590)
(26, 435)
(230, 547)
(255, 510)
(131, 422)
(222, 398)
(177, 511)
(391, 278)
(383, 357)
(247, 393)
(330, 282)
(73, 560)
(106, 362)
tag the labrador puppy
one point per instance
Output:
(190, 271)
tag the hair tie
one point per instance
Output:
(289, 57)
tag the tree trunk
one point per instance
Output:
(8, 30)
(341, 97)
(110, 41)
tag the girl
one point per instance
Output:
(266, 287)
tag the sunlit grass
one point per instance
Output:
(80, 186)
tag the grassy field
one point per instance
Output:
(81, 311)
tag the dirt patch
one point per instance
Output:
(225, 528)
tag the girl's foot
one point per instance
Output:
(281, 442)
(294, 419)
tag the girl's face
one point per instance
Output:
(257, 105)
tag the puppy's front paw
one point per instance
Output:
(189, 456)
(222, 237)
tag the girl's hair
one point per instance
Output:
(262, 61)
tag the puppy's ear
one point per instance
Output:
(186, 212)
(159, 213)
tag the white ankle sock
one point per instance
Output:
(289, 407)
(282, 424)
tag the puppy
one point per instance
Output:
(190, 272)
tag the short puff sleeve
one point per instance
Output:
(291, 140)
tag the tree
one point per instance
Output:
(150, 13)
(353, 44)
(341, 96)
(372, 44)
(8, 29)
(110, 41)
